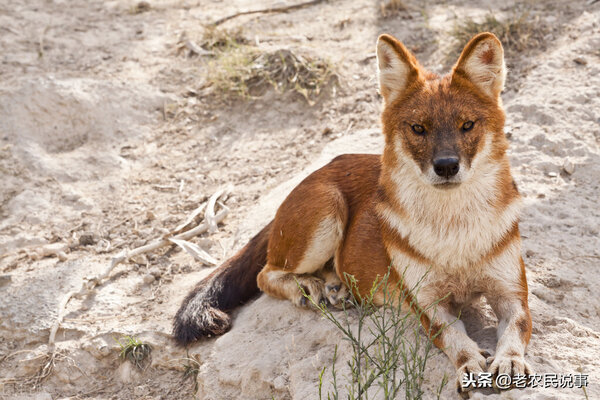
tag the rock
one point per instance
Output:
(568, 167)
(100, 348)
(552, 174)
(580, 61)
(148, 279)
(127, 373)
(87, 239)
(140, 391)
(257, 171)
(5, 279)
(140, 259)
(529, 253)
(142, 6)
(155, 272)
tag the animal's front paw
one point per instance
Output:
(510, 363)
(471, 366)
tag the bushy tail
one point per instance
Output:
(204, 310)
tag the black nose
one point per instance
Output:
(446, 166)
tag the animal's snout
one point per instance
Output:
(446, 166)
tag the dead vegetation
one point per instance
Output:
(246, 72)
(270, 10)
(391, 8)
(518, 33)
(240, 70)
(215, 38)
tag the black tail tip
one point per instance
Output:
(189, 327)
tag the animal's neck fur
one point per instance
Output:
(455, 227)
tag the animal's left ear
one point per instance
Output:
(482, 63)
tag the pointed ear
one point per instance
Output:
(482, 63)
(397, 68)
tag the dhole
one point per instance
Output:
(440, 200)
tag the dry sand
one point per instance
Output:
(107, 134)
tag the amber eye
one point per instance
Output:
(418, 129)
(467, 126)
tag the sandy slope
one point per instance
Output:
(100, 136)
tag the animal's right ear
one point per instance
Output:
(397, 68)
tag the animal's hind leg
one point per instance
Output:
(307, 232)
(287, 285)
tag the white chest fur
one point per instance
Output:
(453, 228)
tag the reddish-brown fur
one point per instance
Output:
(367, 213)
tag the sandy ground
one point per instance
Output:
(108, 138)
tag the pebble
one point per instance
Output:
(569, 167)
(580, 60)
(148, 279)
(142, 6)
(139, 391)
(155, 272)
(5, 279)
(87, 239)
(529, 253)
(552, 174)
(150, 216)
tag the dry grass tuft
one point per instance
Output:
(238, 69)
(391, 8)
(246, 72)
(215, 38)
(517, 33)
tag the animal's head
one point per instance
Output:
(443, 127)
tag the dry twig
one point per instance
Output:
(177, 238)
(269, 10)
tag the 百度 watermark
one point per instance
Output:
(505, 381)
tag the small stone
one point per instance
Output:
(155, 272)
(140, 259)
(148, 279)
(568, 167)
(529, 253)
(139, 391)
(87, 239)
(142, 6)
(257, 171)
(552, 174)
(580, 61)
(150, 216)
(5, 279)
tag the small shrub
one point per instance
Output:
(389, 353)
